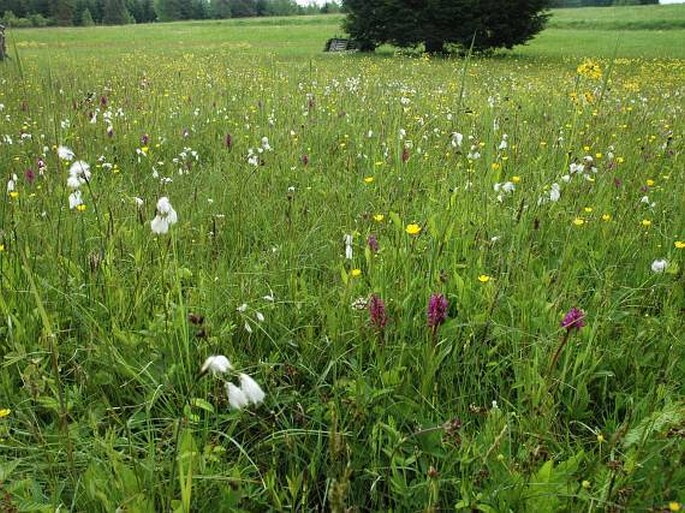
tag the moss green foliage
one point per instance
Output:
(104, 325)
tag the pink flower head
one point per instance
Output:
(372, 242)
(377, 312)
(437, 310)
(574, 319)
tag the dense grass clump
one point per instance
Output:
(459, 282)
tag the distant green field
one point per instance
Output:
(631, 32)
(642, 17)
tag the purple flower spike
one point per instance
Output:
(372, 242)
(574, 319)
(437, 310)
(377, 312)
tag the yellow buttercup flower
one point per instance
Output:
(646, 223)
(4, 412)
(578, 221)
(81, 207)
(590, 69)
(378, 218)
(516, 179)
(484, 278)
(14, 194)
(356, 273)
(413, 229)
(606, 217)
(650, 183)
(368, 179)
(674, 506)
(679, 244)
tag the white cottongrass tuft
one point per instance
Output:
(236, 397)
(659, 266)
(65, 153)
(166, 216)
(79, 173)
(218, 364)
(251, 389)
(75, 199)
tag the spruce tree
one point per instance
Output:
(487, 24)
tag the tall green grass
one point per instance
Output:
(104, 325)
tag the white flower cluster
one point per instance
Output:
(166, 216)
(249, 391)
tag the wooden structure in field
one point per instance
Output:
(338, 45)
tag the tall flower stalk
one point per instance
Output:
(574, 320)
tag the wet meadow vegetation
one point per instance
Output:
(239, 274)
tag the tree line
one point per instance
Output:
(599, 3)
(39, 13)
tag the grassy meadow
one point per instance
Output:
(459, 281)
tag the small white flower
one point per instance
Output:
(11, 185)
(503, 143)
(659, 266)
(347, 239)
(457, 139)
(139, 201)
(259, 316)
(247, 327)
(65, 153)
(251, 389)
(75, 199)
(242, 308)
(236, 397)
(269, 297)
(166, 216)
(360, 303)
(554, 193)
(265, 144)
(507, 187)
(218, 364)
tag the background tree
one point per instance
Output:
(437, 23)
(115, 13)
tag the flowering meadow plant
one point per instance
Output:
(239, 273)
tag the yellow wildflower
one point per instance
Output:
(378, 218)
(356, 273)
(368, 179)
(81, 207)
(606, 217)
(650, 183)
(484, 278)
(590, 69)
(413, 229)
(646, 223)
(14, 194)
(4, 412)
(516, 179)
(674, 506)
(679, 244)
(579, 221)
